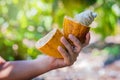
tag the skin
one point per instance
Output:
(28, 69)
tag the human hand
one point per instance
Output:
(17, 69)
(69, 55)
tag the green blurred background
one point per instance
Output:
(23, 22)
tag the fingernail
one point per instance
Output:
(62, 38)
(58, 47)
(70, 36)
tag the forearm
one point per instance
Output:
(17, 70)
(23, 70)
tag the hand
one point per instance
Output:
(69, 55)
(16, 70)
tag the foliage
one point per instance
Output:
(108, 17)
(23, 22)
(113, 50)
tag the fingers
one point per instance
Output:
(65, 55)
(87, 39)
(67, 45)
(76, 42)
(70, 55)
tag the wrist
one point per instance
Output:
(44, 63)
